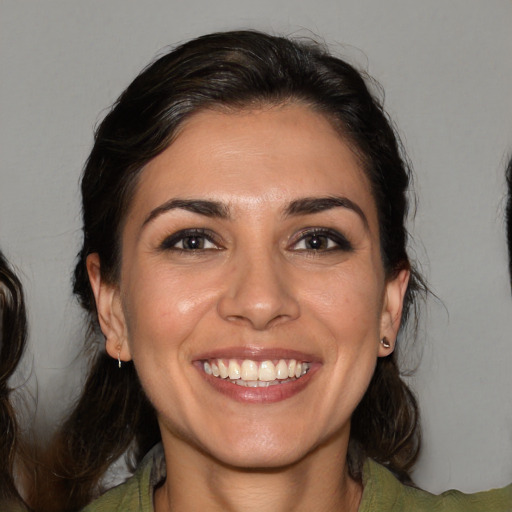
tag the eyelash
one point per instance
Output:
(335, 241)
(338, 241)
(171, 242)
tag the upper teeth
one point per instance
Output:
(249, 370)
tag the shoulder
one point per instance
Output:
(383, 492)
(125, 497)
(136, 494)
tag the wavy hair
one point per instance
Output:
(13, 335)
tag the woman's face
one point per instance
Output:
(252, 296)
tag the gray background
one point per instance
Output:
(446, 67)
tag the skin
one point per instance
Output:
(257, 284)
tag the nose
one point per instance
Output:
(258, 294)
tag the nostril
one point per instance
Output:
(261, 320)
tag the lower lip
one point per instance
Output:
(270, 394)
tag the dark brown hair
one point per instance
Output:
(13, 336)
(229, 71)
(508, 217)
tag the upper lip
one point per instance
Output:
(256, 354)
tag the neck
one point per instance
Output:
(320, 482)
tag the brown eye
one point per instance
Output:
(190, 241)
(318, 243)
(320, 240)
(193, 242)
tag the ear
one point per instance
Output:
(110, 311)
(392, 310)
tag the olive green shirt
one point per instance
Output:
(382, 493)
(12, 506)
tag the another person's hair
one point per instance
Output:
(228, 72)
(13, 334)
(508, 217)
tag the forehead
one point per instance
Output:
(254, 159)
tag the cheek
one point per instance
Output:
(345, 301)
(162, 308)
(347, 316)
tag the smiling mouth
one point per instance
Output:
(256, 374)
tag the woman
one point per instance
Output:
(13, 331)
(245, 259)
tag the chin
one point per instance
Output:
(261, 448)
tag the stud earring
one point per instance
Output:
(385, 342)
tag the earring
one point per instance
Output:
(119, 358)
(385, 342)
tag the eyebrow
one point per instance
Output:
(200, 206)
(216, 209)
(310, 205)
